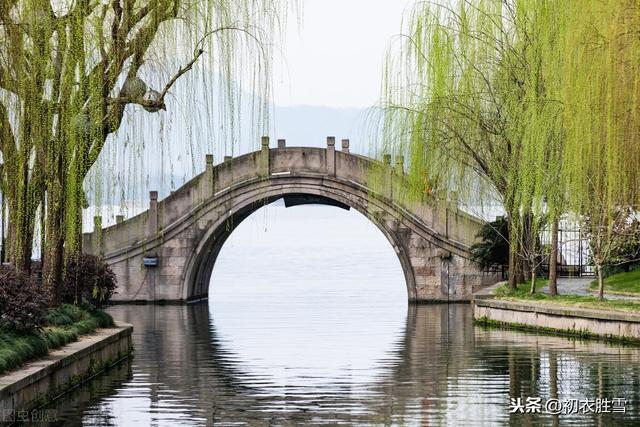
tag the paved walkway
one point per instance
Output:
(572, 286)
(580, 286)
(566, 286)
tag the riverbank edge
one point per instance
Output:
(43, 380)
(615, 293)
(583, 323)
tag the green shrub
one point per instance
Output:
(17, 347)
(65, 314)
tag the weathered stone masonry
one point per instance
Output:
(168, 251)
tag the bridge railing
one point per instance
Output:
(384, 180)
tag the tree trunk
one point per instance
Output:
(23, 193)
(600, 282)
(521, 269)
(74, 203)
(20, 235)
(10, 239)
(54, 242)
(528, 246)
(525, 271)
(26, 246)
(512, 270)
(73, 226)
(43, 225)
(533, 281)
(3, 251)
(553, 260)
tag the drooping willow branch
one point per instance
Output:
(538, 103)
(68, 70)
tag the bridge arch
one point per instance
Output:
(201, 262)
(168, 251)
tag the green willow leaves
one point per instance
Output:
(535, 101)
(71, 69)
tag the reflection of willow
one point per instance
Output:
(439, 357)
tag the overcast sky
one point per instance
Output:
(335, 58)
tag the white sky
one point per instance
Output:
(335, 59)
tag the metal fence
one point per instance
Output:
(573, 251)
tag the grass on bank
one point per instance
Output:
(65, 324)
(584, 301)
(625, 283)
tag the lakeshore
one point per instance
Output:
(572, 315)
(41, 381)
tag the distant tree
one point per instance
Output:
(532, 249)
(610, 232)
(626, 255)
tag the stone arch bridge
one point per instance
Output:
(167, 253)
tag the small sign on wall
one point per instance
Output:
(150, 261)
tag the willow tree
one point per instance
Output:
(465, 97)
(599, 84)
(68, 71)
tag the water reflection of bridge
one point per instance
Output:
(439, 369)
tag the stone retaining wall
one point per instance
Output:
(44, 379)
(571, 320)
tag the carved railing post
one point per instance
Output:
(345, 146)
(210, 179)
(119, 219)
(152, 222)
(152, 229)
(263, 160)
(282, 143)
(331, 155)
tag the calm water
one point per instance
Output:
(307, 323)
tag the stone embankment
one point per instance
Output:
(578, 321)
(42, 380)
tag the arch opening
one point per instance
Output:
(199, 272)
(307, 291)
